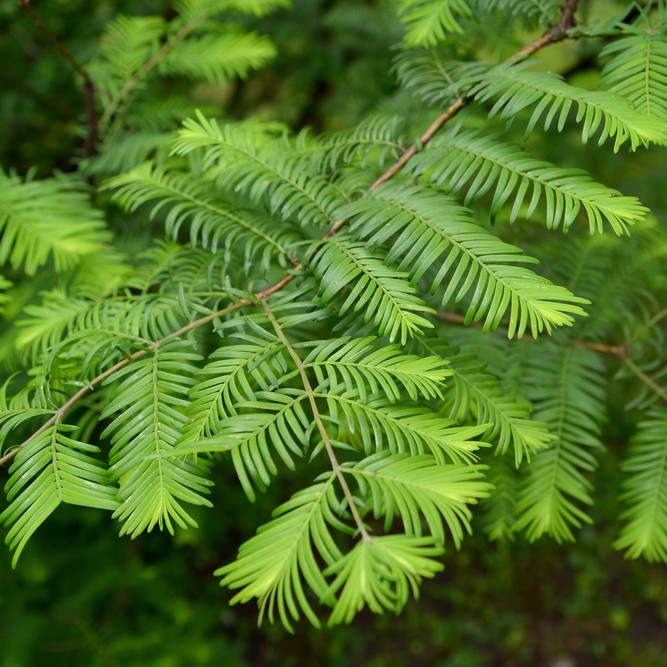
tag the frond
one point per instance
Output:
(266, 170)
(287, 555)
(645, 491)
(567, 385)
(385, 295)
(375, 139)
(98, 274)
(191, 10)
(356, 364)
(546, 12)
(427, 22)
(149, 402)
(127, 44)
(173, 268)
(52, 469)
(476, 393)
(412, 487)
(516, 88)
(191, 203)
(429, 229)
(638, 70)
(381, 574)
(148, 317)
(498, 509)
(436, 75)
(48, 219)
(228, 378)
(21, 407)
(217, 58)
(380, 425)
(5, 285)
(273, 422)
(475, 162)
(128, 151)
(44, 325)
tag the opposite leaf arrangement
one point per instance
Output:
(303, 313)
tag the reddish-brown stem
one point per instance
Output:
(619, 351)
(90, 147)
(557, 33)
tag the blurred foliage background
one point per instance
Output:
(82, 597)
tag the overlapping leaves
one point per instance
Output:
(515, 88)
(429, 230)
(148, 406)
(476, 164)
(53, 468)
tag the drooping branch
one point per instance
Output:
(90, 147)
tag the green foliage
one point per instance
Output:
(46, 220)
(454, 159)
(645, 491)
(638, 70)
(428, 225)
(614, 117)
(53, 469)
(336, 318)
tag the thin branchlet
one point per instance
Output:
(90, 147)
(328, 446)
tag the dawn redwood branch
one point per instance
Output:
(556, 33)
(90, 146)
(66, 407)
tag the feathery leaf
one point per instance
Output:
(386, 295)
(52, 469)
(414, 486)
(517, 88)
(149, 402)
(645, 491)
(473, 161)
(428, 228)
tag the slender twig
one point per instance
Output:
(646, 379)
(335, 466)
(556, 33)
(619, 351)
(90, 147)
(67, 406)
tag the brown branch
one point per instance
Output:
(556, 33)
(90, 146)
(619, 351)
(66, 407)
